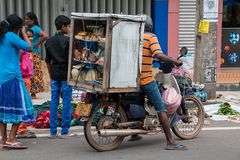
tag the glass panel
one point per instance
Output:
(124, 55)
(231, 13)
(230, 55)
(88, 51)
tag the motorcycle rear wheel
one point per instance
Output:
(97, 121)
(189, 130)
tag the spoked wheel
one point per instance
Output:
(191, 128)
(102, 118)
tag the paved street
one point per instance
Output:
(219, 140)
(216, 142)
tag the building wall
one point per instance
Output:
(219, 34)
(160, 18)
(173, 28)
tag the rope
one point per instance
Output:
(7, 22)
(79, 72)
(91, 65)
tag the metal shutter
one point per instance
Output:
(187, 24)
(47, 10)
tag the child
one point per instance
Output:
(57, 63)
(39, 37)
(26, 63)
(26, 66)
(15, 102)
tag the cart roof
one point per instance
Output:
(76, 15)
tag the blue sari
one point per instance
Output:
(15, 102)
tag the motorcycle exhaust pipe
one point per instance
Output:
(129, 124)
(122, 132)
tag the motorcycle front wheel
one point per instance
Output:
(191, 128)
(101, 117)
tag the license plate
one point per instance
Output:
(83, 109)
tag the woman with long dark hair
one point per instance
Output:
(39, 37)
(15, 102)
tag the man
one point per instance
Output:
(151, 48)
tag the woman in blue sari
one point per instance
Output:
(15, 102)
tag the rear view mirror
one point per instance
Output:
(183, 51)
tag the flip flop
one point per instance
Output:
(52, 136)
(33, 96)
(68, 135)
(27, 135)
(14, 145)
(30, 132)
(179, 147)
(1, 146)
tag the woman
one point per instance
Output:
(15, 102)
(38, 38)
(26, 66)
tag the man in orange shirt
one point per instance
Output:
(151, 48)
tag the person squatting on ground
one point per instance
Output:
(26, 66)
(15, 102)
(57, 64)
(39, 37)
(151, 48)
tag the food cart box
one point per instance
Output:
(105, 52)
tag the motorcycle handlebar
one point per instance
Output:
(166, 67)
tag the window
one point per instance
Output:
(231, 13)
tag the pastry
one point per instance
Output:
(79, 37)
(90, 75)
(85, 54)
(82, 33)
(100, 61)
(92, 57)
(77, 54)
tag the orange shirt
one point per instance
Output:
(151, 47)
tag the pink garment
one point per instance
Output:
(178, 71)
(26, 64)
(172, 100)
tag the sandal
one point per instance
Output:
(1, 146)
(33, 96)
(68, 135)
(14, 145)
(27, 134)
(179, 147)
(52, 136)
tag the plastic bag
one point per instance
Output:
(172, 99)
(176, 71)
(202, 95)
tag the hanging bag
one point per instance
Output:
(172, 100)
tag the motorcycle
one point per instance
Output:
(112, 117)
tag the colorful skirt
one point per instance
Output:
(15, 103)
(37, 79)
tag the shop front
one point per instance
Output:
(229, 68)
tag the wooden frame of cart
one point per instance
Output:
(105, 52)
